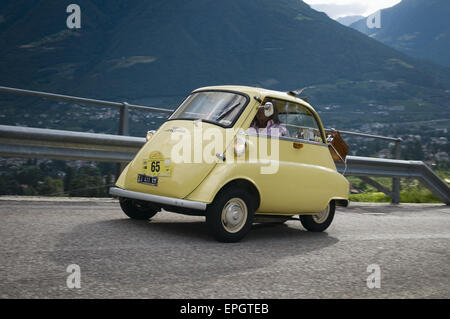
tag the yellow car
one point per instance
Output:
(236, 155)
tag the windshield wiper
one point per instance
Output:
(227, 111)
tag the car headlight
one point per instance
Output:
(240, 146)
(149, 135)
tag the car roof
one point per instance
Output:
(252, 91)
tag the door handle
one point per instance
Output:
(297, 146)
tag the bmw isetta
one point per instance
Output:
(236, 154)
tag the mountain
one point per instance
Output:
(420, 28)
(348, 20)
(155, 52)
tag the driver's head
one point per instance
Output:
(260, 116)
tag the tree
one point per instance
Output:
(50, 186)
(87, 183)
(9, 186)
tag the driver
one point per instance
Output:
(268, 125)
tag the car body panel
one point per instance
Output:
(305, 182)
(184, 176)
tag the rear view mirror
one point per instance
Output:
(268, 109)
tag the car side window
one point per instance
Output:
(300, 122)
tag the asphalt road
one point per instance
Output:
(173, 256)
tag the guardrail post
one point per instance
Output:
(123, 119)
(396, 180)
(123, 130)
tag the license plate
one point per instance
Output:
(148, 180)
(157, 165)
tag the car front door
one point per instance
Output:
(304, 163)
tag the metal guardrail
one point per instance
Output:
(61, 97)
(366, 166)
(123, 106)
(387, 138)
(28, 142)
(57, 144)
(395, 193)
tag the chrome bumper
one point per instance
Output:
(115, 191)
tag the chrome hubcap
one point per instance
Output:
(322, 217)
(234, 215)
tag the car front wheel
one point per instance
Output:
(230, 216)
(321, 221)
(137, 210)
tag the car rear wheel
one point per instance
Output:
(137, 210)
(321, 221)
(230, 216)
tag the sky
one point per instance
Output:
(341, 8)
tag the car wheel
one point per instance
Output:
(136, 210)
(319, 222)
(230, 216)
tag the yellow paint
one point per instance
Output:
(305, 182)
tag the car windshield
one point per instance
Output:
(221, 108)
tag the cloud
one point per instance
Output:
(335, 11)
(341, 8)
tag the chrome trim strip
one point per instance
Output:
(115, 191)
